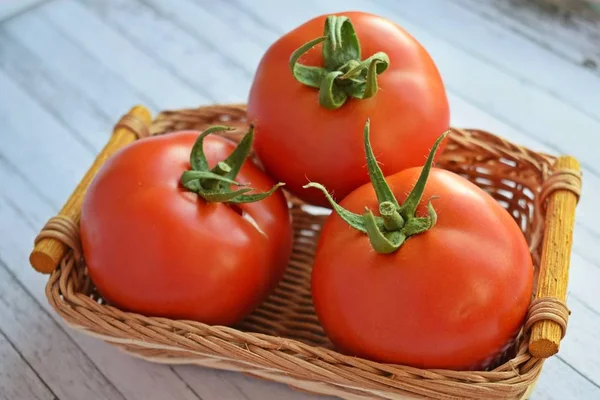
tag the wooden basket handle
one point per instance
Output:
(548, 313)
(49, 250)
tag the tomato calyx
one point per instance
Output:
(345, 74)
(396, 222)
(214, 185)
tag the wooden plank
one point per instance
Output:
(70, 63)
(583, 280)
(9, 9)
(17, 379)
(201, 22)
(497, 45)
(67, 104)
(56, 359)
(559, 381)
(199, 63)
(120, 56)
(574, 38)
(235, 14)
(33, 142)
(580, 347)
(585, 239)
(233, 385)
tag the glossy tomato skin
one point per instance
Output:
(154, 248)
(452, 297)
(298, 141)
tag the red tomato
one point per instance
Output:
(155, 248)
(298, 140)
(451, 297)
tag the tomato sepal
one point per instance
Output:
(354, 220)
(344, 74)
(397, 222)
(193, 176)
(214, 185)
(251, 198)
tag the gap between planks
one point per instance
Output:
(18, 380)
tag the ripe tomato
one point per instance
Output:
(447, 290)
(303, 134)
(155, 247)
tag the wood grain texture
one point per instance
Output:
(39, 155)
(216, 385)
(90, 125)
(556, 258)
(60, 57)
(579, 348)
(199, 63)
(492, 42)
(9, 9)
(574, 39)
(203, 24)
(560, 382)
(583, 280)
(17, 379)
(140, 70)
(58, 361)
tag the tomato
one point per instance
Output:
(303, 135)
(452, 294)
(155, 246)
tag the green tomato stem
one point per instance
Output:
(344, 73)
(392, 220)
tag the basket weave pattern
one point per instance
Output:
(282, 340)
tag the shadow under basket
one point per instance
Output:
(282, 340)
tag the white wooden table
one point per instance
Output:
(69, 69)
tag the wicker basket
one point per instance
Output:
(282, 340)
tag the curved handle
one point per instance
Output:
(48, 252)
(562, 190)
